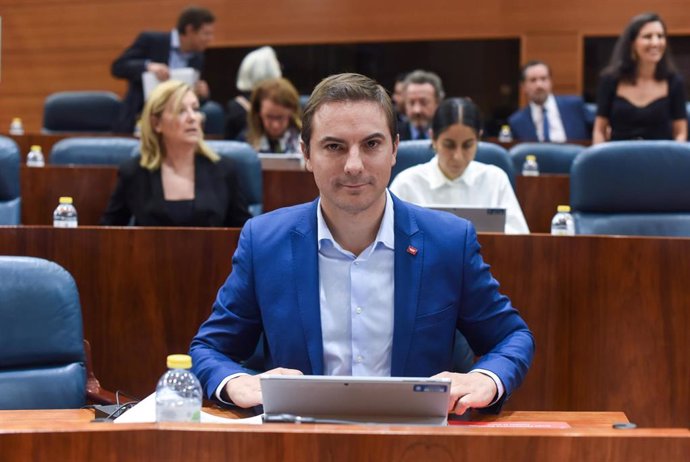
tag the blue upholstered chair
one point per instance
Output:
(632, 188)
(80, 111)
(93, 151)
(249, 168)
(411, 153)
(214, 118)
(489, 153)
(551, 157)
(42, 359)
(10, 202)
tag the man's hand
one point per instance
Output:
(245, 390)
(201, 89)
(472, 390)
(160, 70)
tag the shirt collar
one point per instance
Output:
(437, 179)
(384, 236)
(549, 104)
(175, 40)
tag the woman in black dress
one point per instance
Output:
(641, 95)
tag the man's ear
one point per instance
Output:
(305, 154)
(396, 144)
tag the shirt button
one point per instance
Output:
(358, 310)
(356, 263)
(360, 359)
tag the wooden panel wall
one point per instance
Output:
(54, 45)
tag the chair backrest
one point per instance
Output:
(632, 188)
(80, 111)
(489, 153)
(10, 202)
(41, 340)
(248, 164)
(411, 153)
(551, 157)
(93, 151)
(214, 118)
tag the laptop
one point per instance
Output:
(355, 400)
(485, 220)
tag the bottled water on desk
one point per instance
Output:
(16, 127)
(563, 223)
(530, 167)
(504, 135)
(178, 394)
(65, 215)
(35, 157)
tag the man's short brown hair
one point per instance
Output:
(342, 88)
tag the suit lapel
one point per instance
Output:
(565, 119)
(409, 258)
(529, 123)
(306, 279)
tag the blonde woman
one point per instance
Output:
(176, 180)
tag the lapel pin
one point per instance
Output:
(412, 250)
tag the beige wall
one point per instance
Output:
(55, 45)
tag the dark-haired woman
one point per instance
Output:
(641, 95)
(452, 177)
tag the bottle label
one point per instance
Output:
(65, 223)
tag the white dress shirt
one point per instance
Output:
(556, 130)
(480, 185)
(356, 294)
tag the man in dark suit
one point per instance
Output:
(423, 92)
(359, 282)
(159, 52)
(547, 118)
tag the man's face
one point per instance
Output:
(399, 97)
(351, 154)
(198, 40)
(420, 104)
(537, 83)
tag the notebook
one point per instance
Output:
(360, 400)
(485, 220)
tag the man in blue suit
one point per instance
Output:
(547, 118)
(158, 52)
(359, 282)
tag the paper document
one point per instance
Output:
(188, 75)
(145, 412)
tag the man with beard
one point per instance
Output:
(547, 118)
(423, 91)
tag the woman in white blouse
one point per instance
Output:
(453, 177)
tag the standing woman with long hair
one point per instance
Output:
(641, 95)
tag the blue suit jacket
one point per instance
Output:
(274, 288)
(148, 46)
(573, 116)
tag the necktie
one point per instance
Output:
(421, 134)
(545, 125)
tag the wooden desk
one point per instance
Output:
(609, 314)
(41, 188)
(68, 435)
(539, 196)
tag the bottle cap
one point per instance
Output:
(16, 120)
(564, 208)
(531, 157)
(35, 147)
(65, 200)
(179, 362)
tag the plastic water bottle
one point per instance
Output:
(16, 127)
(178, 394)
(504, 135)
(35, 157)
(530, 167)
(65, 215)
(563, 223)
